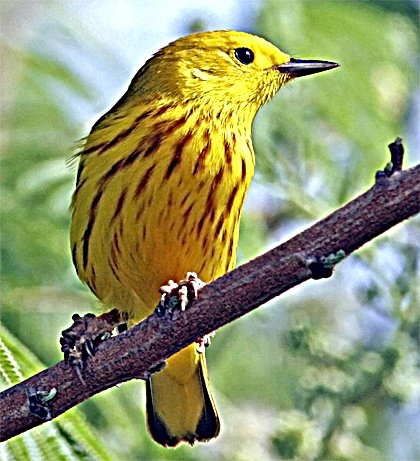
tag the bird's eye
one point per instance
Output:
(244, 55)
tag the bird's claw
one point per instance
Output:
(180, 295)
(81, 339)
(204, 342)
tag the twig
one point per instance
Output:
(311, 254)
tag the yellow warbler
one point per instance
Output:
(160, 187)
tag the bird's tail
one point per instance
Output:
(179, 402)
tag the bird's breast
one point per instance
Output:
(170, 206)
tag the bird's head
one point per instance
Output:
(221, 68)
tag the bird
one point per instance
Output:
(161, 182)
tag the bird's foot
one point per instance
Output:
(204, 342)
(80, 340)
(179, 295)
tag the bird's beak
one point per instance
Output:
(301, 67)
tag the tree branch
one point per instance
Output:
(311, 254)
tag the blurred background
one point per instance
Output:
(327, 371)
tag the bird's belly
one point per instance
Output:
(167, 250)
(151, 228)
(146, 254)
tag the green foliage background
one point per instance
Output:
(328, 371)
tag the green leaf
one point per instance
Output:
(69, 437)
